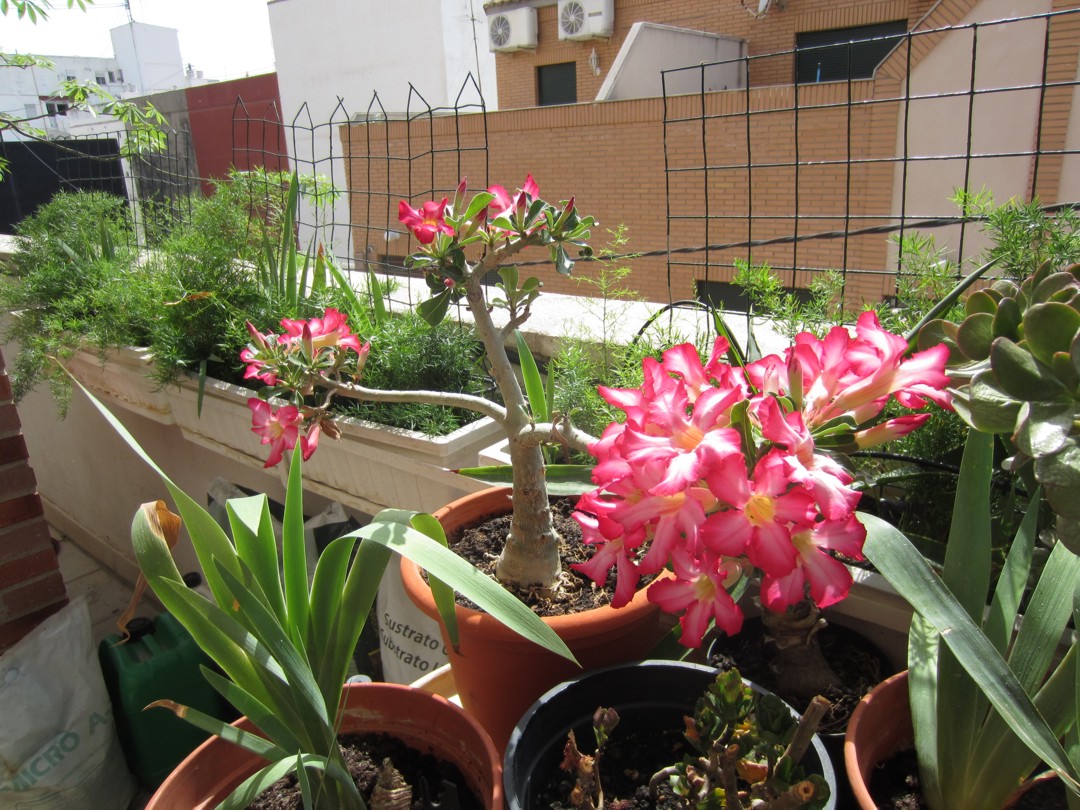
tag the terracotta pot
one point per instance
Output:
(656, 694)
(426, 722)
(879, 727)
(498, 673)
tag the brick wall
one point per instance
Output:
(773, 34)
(845, 138)
(611, 156)
(31, 587)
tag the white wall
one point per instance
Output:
(149, 55)
(650, 48)
(326, 50)
(1007, 56)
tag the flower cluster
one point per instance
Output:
(289, 364)
(718, 472)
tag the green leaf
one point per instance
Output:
(434, 309)
(534, 383)
(1044, 428)
(1020, 375)
(478, 203)
(254, 710)
(253, 534)
(946, 303)
(378, 305)
(212, 725)
(1050, 328)
(294, 554)
(975, 335)
(561, 479)
(442, 593)
(991, 409)
(563, 263)
(981, 301)
(466, 580)
(1007, 319)
(906, 570)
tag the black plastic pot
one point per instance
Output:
(658, 693)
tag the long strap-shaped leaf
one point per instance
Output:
(211, 725)
(255, 784)
(465, 578)
(253, 534)
(254, 710)
(294, 555)
(894, 556)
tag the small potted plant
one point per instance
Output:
(283, 638)
(721, 471)
(666, 734)
(1016, 369)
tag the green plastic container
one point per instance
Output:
(161, 661)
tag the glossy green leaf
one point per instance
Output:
(912, 336)
(982, 301)
(479, 202)
(975, 335)
(1050, 328)
(1020, 375)
(939, 332)
(434, 309)
(991, 410)
(534, 383)
(1007, 319)
(1050, 285)
(294, 554)
(212, 725)
(1043, 428)
(466, 580)
(248, 706)
(906, 570)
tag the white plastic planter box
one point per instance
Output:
(370, 467)
(123, 380)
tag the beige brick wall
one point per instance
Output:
(611, 155)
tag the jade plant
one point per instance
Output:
(1015, 362)
(745, 751)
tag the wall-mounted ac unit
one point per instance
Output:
(512, 30)
(586, 19)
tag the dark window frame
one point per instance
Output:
(556, 84)
(842, 54)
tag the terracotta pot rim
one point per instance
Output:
(569, 626)
(378, 693)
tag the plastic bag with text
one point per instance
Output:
(59, 747)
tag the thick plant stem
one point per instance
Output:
(530, 557)
(799, 664)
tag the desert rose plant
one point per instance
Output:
(324, 355)
(726, 475)
(722, 473)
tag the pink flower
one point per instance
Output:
(426, 221)
(506, 204)
(699, 591)
(826, 479)
(827, 577)
(889, 430)
(764, 512)
(329, 331)
(256, 366)
(279, 429)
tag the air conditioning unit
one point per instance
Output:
(586, 19)
(512, 30)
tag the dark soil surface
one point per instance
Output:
(364, 756)
(859, 664)
(481, 544)
(632, 756)
(895, 786)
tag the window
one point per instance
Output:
(112, 77)
(100, 79)
(70, 77)
(556, 84)
(845, 53)
(56, 107)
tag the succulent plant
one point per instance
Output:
(1015, 369)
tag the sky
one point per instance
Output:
(225, 39)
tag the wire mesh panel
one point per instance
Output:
(870, 142)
